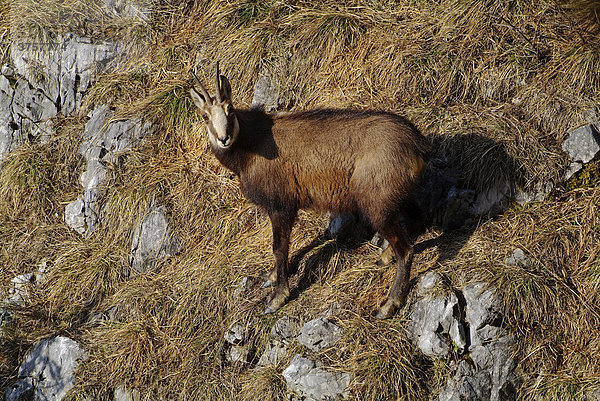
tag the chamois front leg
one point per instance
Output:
(281, 222)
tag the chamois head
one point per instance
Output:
(218, 113)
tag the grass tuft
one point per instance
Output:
(495, 85)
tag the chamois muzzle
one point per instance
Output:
(225, 142)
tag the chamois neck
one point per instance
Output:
(232, 157)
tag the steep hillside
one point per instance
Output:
(497, 86)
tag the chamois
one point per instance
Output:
(360, 162)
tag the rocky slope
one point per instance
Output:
(460, 329)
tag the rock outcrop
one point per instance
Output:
(43, 80)
(582, 145)
(319, 334)
(104, 138)
(63, 69)
(468, 323)
(282, 332)
(152, 242)
(435, 324)
(305, 378)
(236, 351)
(48, 371)
(266, 90)
(19, 291)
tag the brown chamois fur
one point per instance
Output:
(361, 162)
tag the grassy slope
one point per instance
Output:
(520, 73)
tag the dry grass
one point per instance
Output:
(36, 180)
(46, 19)
(4, 30)
(502, 79)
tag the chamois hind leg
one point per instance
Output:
(281, 222)
(403, 248)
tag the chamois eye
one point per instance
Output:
(229, 109)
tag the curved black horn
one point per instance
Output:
(207, 98)
(218, 84)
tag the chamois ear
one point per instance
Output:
(198, 99)
(225, 88)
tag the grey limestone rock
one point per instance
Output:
(461, 204)
(242, 286)
(7, 93)
(538, 193)
(10, 136)
(122, 393)
(129, 9)
(81, 60)
(428, 283)
(493, 200)
(318, 334)
(457, 207)
(48, 371)
(75, 215)
(62, 69)
(266, 93)
(459, 389)
(237, 354)
(274, 352)
(45, 79)
(38, 63)
(435, 325)
(305, 379)
(282, 332)
(103, 139)
(18, 294)
(581, 145)
(489, 374)
(7, 70)
(517, 257)
(379, 242)
(468, 322)
(283, 329)
(19, 291)
(236, 334)
(482, 307)
(152, 242)
(31, 103)
(236, 350)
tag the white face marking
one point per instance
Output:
(220, 134)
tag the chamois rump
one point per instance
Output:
(360, 162)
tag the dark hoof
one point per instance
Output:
(387, 310)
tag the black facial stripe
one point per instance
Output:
(230, 124)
